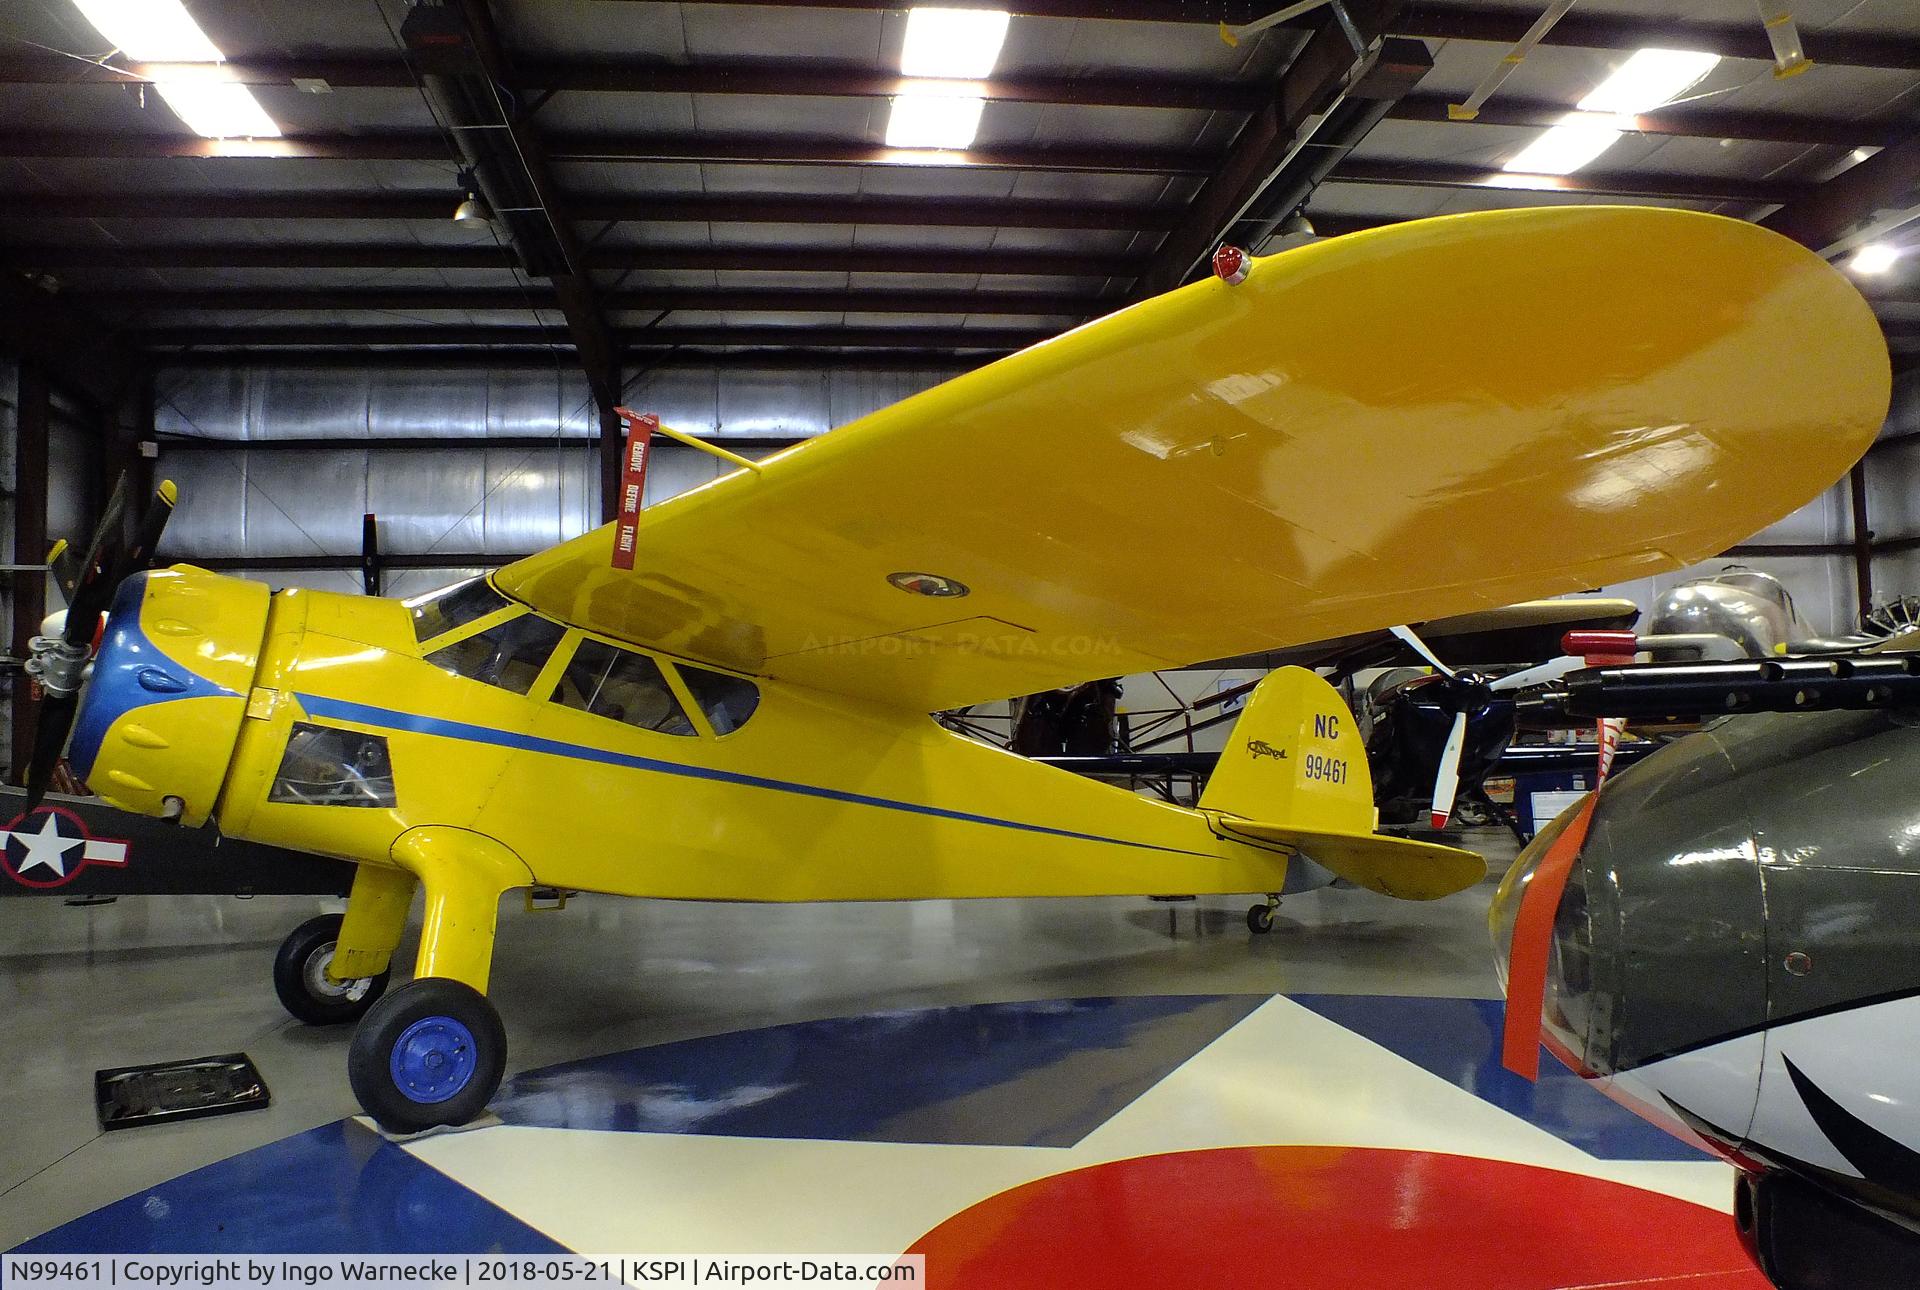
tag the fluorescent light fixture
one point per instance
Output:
(1563, 149)
(1650, 79)
(1874, 257)
(217, 111)
(958, 43)
(195, 87)
(923, 119)
(150, 31)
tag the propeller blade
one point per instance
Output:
(94, 580)
(153, 523)
(1610, 730)
(95, 590)
(55, 719)
(1446, 785)
(65, 567)
(1419, 647)
(1551, 670)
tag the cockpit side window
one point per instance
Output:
(608, 681)
(439, 612)
(509, 654)
(727, 700)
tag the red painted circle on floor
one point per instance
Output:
(1333, 1218)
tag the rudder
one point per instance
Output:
(1295, 755)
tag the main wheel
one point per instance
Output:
(300, 977)
(1260, 919)
(430, 1053)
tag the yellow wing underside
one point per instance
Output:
(1423, 420)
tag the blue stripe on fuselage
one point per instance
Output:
(366, 715)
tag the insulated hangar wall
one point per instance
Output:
(462, 469)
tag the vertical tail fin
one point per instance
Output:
(1295, 755)
(1294, 774)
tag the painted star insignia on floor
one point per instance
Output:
(46, 847)
(877, 1131)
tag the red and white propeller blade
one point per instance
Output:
(1446, 785)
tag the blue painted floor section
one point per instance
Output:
(994, 1074)
(1459, 1040)
(338, 1189)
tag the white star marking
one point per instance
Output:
(47, 848)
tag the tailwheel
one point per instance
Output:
(300, 977)
(430, 1053)
(1260, 917)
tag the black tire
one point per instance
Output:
(300, 981)
(1260, 919)
(430, 1053)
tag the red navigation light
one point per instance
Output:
(1230, 265)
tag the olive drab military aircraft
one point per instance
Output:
(1397, 425)
(1726, 939)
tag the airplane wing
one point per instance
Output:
(1528, 632)
(1417, 421)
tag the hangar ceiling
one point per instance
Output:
(715, 182)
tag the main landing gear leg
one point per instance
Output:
(432, 1052)
(1260, 917)
(331, 970)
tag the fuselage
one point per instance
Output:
(337, 724)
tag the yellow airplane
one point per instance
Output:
(1418, 421)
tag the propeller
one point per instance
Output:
(58, 662)
(1469, 693)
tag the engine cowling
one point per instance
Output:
(161, 712)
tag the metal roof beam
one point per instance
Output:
(425, 299)
(717, 149)
(771, 259)
(1702, 188)
(996, 338)
(653, 76)
(1887, 180)
(1436, 21)
(531, 358)
(1267, 141)
(439, 442)
(464, 74)
(1457, 21)
(1688, 121)
(931, 212)
(1606, 31)
(1209, 12)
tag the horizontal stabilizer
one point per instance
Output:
(1400, 867)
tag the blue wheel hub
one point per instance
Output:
(433, 1059)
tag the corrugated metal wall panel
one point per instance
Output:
(211, 519)
(304, 501)
(429, 499)
(684, 398)
(293, 403)
(266, 497)
(301, 403)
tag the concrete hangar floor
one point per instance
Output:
(1091, 1092)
